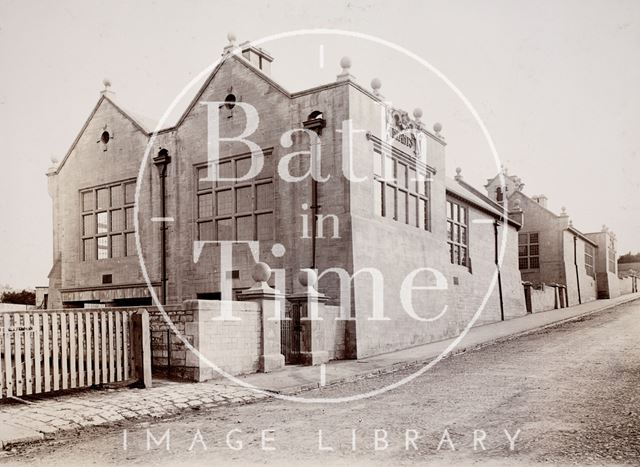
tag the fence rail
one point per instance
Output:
(44, 351)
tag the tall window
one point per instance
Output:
(528, 251)
(612, 255)
(235, 211)
(398, 193)
(107, 221)
(457, 233)
(588, 259)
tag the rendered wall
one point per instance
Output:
(543, 299)
(397, 249)
(577, 277)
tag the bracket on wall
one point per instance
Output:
(315, 122)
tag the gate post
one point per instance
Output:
(312, 343)
(141, 347)
(527, 296)
(271, 304)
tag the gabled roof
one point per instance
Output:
(462, 191)
(531, 200)
(570, 228)
(577, 233)
(147, 125)
(124, 113)
(513, 178)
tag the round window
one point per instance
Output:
(105, 137)
(230, 101)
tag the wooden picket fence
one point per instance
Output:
(45, 351)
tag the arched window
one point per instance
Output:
(499, 195)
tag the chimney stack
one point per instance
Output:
(258, 57)
(541, 200)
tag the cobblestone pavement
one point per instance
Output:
(97, 407)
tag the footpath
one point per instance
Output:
(45, 416)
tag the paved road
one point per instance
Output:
(570, 393)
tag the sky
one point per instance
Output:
(555, 82)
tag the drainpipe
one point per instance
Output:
(496, 224)
(575, 262)
(161, 161)
(315, 148)
(314, 214)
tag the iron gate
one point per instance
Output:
(290, 330)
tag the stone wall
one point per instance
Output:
(543, 299)
(606, 280)
(335, 333)
(629, 284)
(577, 279)
(168, 352)
(232, 346)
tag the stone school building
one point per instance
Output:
(566, 266)
(399, 215)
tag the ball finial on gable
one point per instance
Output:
(376, 84)
(345, 63)
(106, 82)
(231, 37)
(458, 176)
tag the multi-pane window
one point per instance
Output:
(401, 193)
(612, 255)
(529, 250)
(107, 221)
(589, 253)
(242, 210)
(458, 233)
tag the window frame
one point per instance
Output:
(589, 259)
(528, 257)
(213, 188)
(455, 244)
(95, 210)
(387, 185)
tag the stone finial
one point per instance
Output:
(563, 211)
(260, 289)
(458, 176)
(107, 85)
(308, 278)
(231, 46)
(54, 165)
(417, 114)
(437, 127)
(345, 63)
(376, 84)
(605, 228)
(261, 272)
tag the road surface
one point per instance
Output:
(568, 394)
